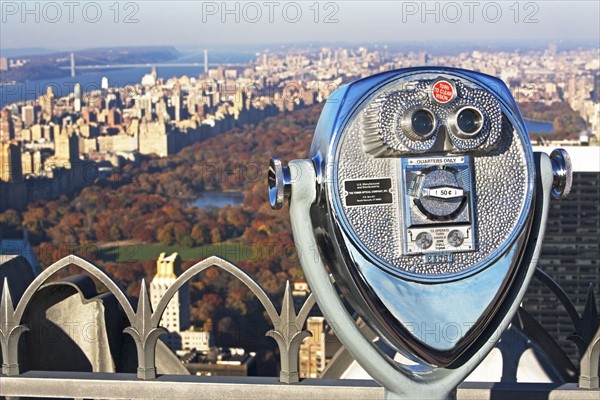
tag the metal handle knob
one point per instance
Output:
(563, 173)
(279, 181)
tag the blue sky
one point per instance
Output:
(84, 24)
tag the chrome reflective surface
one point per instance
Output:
(279, 183)
(403, 380)
(562, 169)
(454, 123)
(431, 307)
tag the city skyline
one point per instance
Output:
(163, 115)
(98, 24)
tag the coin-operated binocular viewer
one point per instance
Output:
(423, 207)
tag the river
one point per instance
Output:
(90, 81)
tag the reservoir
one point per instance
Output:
(539, 127)
(218, 199)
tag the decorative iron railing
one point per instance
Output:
(144, 322)
(287, 324)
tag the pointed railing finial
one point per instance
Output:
(289, 335)
(10, 332)
(145, 334)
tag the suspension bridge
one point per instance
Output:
(95, 64)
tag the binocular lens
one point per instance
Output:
(469, 121)
(423, 123)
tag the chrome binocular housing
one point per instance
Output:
(427, 202)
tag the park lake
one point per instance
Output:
(218, 199)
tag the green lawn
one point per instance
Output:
(139, 252)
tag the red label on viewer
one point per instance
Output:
(443, 91)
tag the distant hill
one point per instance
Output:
(26, 51)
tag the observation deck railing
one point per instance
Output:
(287, 330)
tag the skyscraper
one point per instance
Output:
(32, 162)
(28, 115)
(113, 117)
(7, 127)
(145, 103)
(318, 350)
(66, 147)
(47, 103)
(176, 317)
(77, 98)
(206, 62)
(10, 162)
(176, 105)
(595, 95)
